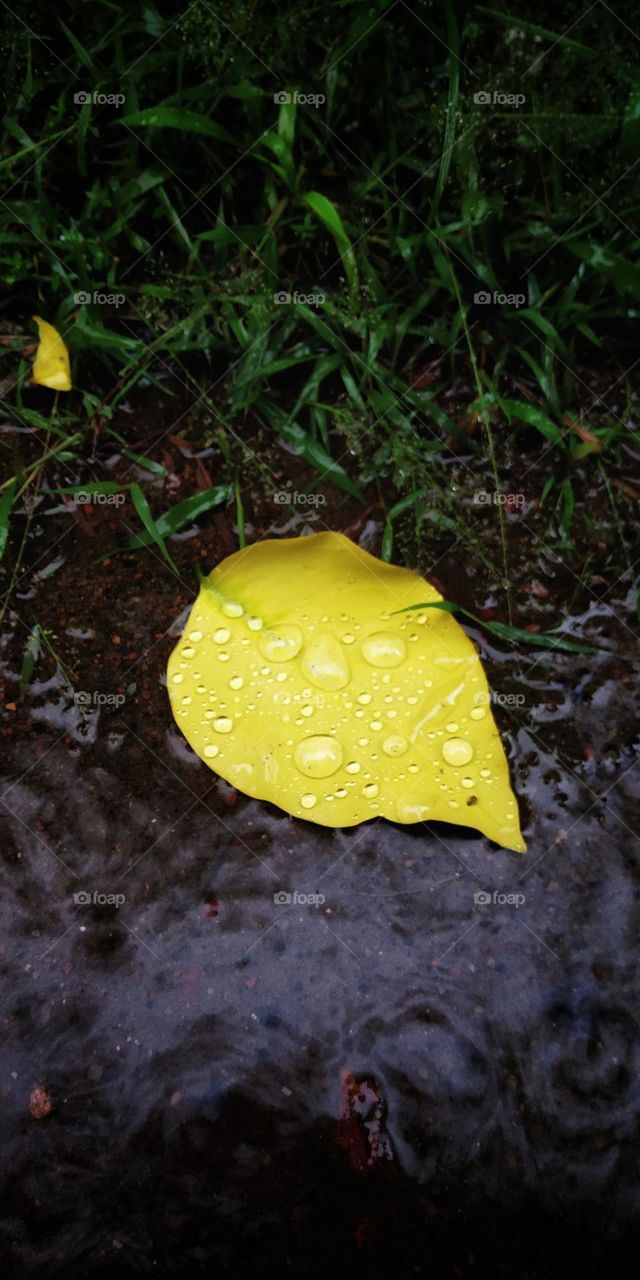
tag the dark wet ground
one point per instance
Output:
(397, 1080)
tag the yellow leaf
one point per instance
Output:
(297, 681)
(51, 366)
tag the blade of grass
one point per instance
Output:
(144, 511)
(504, 631)
(240, 517)
(184, 513)
(6, 503)
(328, 214)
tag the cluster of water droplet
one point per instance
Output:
(323, 658)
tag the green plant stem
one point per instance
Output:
(486, 422)
(65, 444)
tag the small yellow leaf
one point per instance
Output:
(297, 680)
(51, 366)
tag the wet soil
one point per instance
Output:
(426, 1061)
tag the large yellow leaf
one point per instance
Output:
(298, 682)
(51, 366)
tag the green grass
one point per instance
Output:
(397, 199)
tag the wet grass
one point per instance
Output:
(159, 219)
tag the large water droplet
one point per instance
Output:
(223, 724)
(318, 757)
(307, 801)
(255, 624)
(221, 635)
(353, 767)
(324, 663)
(394, 745)
(281, 644)
(236, 682)
(384, 649)
(477, 713)
(195, 635)
(210, 752)
(371, 790)
(457, 751)
(231, 609)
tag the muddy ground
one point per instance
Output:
(403, 1080)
